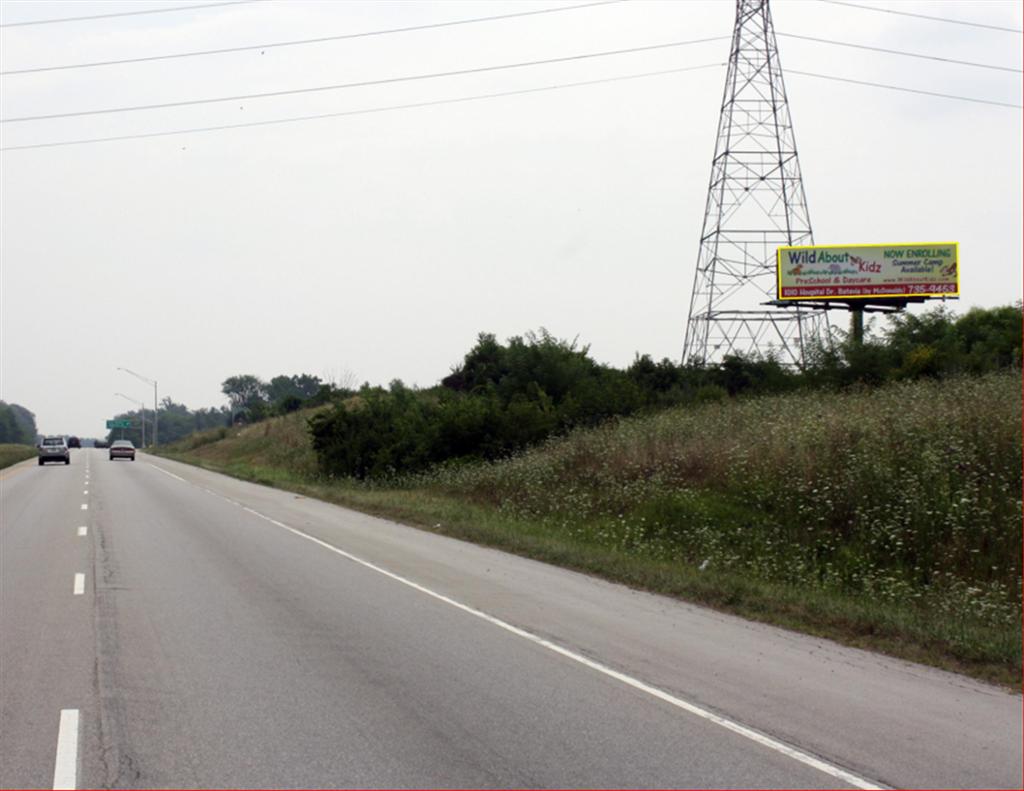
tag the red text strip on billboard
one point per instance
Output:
(869, 271)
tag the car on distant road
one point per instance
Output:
(74, 442)
(122, 449)
(53, 449)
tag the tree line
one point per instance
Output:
(17, 425)
(503, 397)
(250, 399)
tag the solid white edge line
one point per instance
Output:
(79, 588)
(176, 477)
(765, 741)
(735, 727)
(83, 530)
(65, 766)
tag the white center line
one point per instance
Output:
(83, 530)
(79, 584)
(85, 507)
(65, 767)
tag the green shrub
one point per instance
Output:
(505, 397)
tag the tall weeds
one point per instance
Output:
(907, 494)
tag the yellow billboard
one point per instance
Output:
(869, 271)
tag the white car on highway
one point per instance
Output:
(122, 449)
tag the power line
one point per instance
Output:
(464, 99)
(902, 89)
(126, 13)
(925, 16)
(365, 83)
(300, 42)
(368, 111)
(898, 52)
(324, 39)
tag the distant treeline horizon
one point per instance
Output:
(503, 397)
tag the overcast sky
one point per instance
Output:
(379, 245)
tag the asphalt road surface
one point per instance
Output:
(164, 626)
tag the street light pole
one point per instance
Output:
(156, 412)
(142, 416)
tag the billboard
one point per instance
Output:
(869, 271)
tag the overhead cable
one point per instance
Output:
(904, 90)
(300, 42)
(126, 13)
(361, 84)
(368, 111)
(925, 16)
(464, 99)
(899, 52)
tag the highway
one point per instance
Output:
(165, 626)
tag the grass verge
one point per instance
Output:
(12, 454)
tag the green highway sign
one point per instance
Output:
(119, 424)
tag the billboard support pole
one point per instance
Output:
(857, 325)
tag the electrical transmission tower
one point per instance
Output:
(755, 204)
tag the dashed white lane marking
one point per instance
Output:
(83, 530)
(85, 506)
(65, 767)
(79, 584)
(86, 491)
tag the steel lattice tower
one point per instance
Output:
(755, 204)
